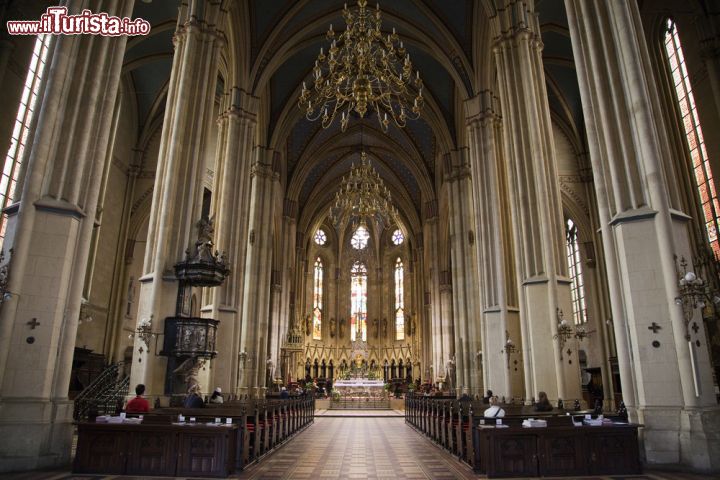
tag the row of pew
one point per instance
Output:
(564, 447)
(214, 441)
(264, 424)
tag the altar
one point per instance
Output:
(360, 387)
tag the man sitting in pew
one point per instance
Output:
(138, 404)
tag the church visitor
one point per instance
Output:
(494, 411)
(138, 404)
(543, 404)
(216, 396)
(487, 397)
(194, 400)
(284, 393)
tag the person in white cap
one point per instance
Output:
(216, 396)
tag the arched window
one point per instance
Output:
(23, 119)
(360, 238)
(577, 288)
(399, 301)
(317, 300)
(358, 302)
(694, 135)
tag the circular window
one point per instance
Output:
(320, 237)
(397, 237)
(360, 238)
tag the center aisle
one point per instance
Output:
(357, 448)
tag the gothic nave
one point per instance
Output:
(273, 199)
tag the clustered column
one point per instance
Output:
(48, 240)
(535, 203)
(177, 196)
(493, 244)
(664, 364)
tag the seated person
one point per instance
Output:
(138, 404)
(284, 393)
(543, 404)
(487, 397)
(216, 396)
(194, 400)
(494, 411)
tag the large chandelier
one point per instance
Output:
(363, 69)
(363, 195)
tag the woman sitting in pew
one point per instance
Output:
(543, 404)
(194, 400)
(494, 411)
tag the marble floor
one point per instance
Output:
(357, 448)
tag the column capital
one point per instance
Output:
(516, 20)
(455, 165)
(482, 109)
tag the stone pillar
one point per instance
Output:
(47, 245)
(177, 196)
(258, 268)
(439, 312)
(464, 274)
(664, 364)
(445, 327)
(538, 227)
(494, 249)
(232, 191)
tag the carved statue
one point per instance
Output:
(384, 327)
(270, 369)
(342, 329)
(413, 326)
(376, 328)
(450, 373)
(332, 328)
(408, 325)
(308, 325)
(189, 370)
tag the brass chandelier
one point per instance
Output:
(363, 195)
(363, 69)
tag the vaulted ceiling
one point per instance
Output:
(285, 37)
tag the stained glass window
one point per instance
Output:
(360, 238)
(577, 287)
(317, 300)
(320, 237)
(23, 119)
(399, 301)
(358, 301)
(397, 237)
(694, 135)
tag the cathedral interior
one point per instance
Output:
(182, 208)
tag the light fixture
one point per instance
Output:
(510, 347)
(362, 196)
(564, 331)
(363, 69)
(694, 293)
(581, 333)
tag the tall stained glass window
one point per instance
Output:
(23, 119)
(399, 301)
(317, 300)
(577, 288)
(358, 301)
(694, 135)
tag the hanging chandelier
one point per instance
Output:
(363, 69)
(362, 196)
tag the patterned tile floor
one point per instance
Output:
(357, 448)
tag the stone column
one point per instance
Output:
(232, 190)
(47, 245)
(177, 196)
(535, 203)
(258, 268)
(494, 248)
(664, 364)
(464, 275)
